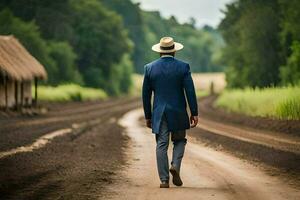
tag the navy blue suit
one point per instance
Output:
(168, 78)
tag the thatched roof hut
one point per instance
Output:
(18, 68)
(17, 63)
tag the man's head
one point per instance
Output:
(167, 46)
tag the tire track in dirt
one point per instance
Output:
(276, 141)
(45, 139)
(20, 132)
(75, 166)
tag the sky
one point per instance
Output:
(204, 11)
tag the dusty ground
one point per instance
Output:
(207, 173)
(74, 166)
(275, 143)
(97, 158)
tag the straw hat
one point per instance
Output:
(167, 45)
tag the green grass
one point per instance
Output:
(281, 103)
(202, 93)
(69, 92)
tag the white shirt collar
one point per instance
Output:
(164, 56)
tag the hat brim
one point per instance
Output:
(177, 47)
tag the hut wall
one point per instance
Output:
(10, 93)
(2, 93)
(27, 98)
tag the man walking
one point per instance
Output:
(169, 79)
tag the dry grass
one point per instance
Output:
(202, 82)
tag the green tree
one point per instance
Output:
(134, 23)
(100, 42)
(290, 24)
(126, 69)
(95, 33)
(120, 78)
(53, 17)
(201, 45)
(290, 40)
(290, 73)
(65, 58)
(30, 37)
(251, 31)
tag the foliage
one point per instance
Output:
(29, 36)
(80, 41)
(53, 17)
(290, 40)
(290, 73)
(97, 43)
(289, 24)
(251, 32)
(70, 92)
(65, 57)
(289, 109)
(100, 42)
(202, 45)
(282, 103)
(261, 42)
(120, 80)
(126, 70)
(146, 28)
(134, 23)
(94, 42)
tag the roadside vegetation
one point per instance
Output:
(101, 43)
(280, 103)
(262, 51)
(70, 92)
(200, 91)
(262, 43)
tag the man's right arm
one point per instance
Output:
(147, 95)
(191, 96)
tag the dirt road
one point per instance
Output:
(90, 150)
(207, 173)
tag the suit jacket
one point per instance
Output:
(168, 78)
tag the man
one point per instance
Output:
(169, 79)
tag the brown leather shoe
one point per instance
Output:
(176, 177)
(164, 184)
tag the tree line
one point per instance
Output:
(78, 41)
(100, 43)
(203, 46)
(262, 43)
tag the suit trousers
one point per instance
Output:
(162, 144)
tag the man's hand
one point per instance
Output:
(148, 123)
(193, 121)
